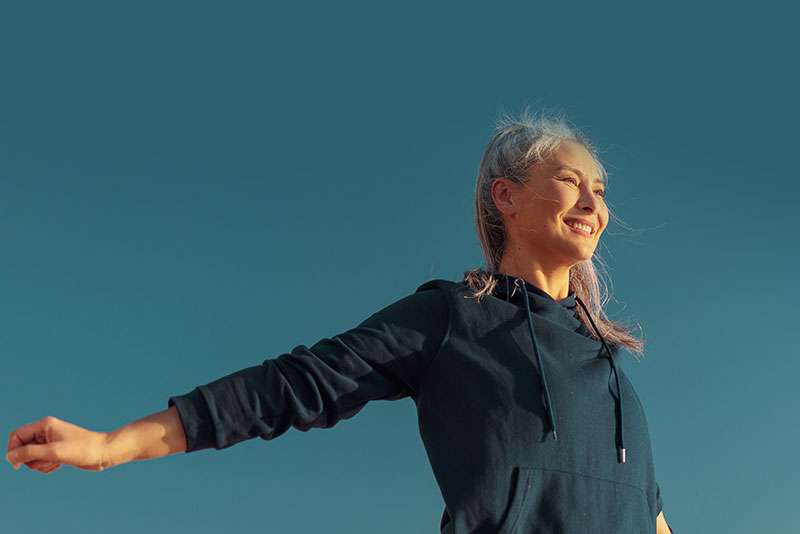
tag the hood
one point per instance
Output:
(539, 303)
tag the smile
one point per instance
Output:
(581, 229)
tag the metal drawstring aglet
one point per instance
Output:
(621, 455)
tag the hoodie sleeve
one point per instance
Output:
(659, 499)
(382, 358)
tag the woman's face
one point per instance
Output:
(563, 189)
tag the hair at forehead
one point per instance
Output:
(519, 142)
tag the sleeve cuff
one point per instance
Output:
(195, 419)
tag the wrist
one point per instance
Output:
(119, 448)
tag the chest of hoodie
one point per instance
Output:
(481, 406)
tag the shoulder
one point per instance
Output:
(440, 284)
(425, 307)
(450, 292)
(448, 289)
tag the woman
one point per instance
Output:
(528, 421)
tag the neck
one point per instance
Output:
(552, 279)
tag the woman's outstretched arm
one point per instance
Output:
(159, 434)
(383, 357)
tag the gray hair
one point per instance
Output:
(516, 145)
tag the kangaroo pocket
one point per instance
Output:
(549, 501)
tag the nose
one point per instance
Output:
(589, 201)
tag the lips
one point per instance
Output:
(581, 231)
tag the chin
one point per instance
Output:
(580, 255)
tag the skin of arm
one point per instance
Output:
(156, 435)
(661, 524)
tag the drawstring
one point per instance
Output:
(621, 450)
(549, 405)
(621, 453)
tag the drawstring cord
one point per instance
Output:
(549, 405)
(549, 408)
(621, 453)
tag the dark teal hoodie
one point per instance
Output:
(530, 424)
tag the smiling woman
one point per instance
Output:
(529, 422)
(540, 210)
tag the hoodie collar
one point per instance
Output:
(561, 312)
(538, 302)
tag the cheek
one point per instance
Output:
(544, 209)
(604, 216)
(555, 201)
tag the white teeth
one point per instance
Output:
(582, 226)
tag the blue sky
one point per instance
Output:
(187, 189)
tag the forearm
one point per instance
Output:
(159, 434)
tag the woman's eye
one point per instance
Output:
(601, 192)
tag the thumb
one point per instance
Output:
(28, 453)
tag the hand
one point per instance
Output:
(50, 442)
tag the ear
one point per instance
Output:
(503, 195)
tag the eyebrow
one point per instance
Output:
(579, 173)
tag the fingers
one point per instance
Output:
(28, 453)
(31, 433)
(38, 464)
(26, 433)
(42, 466)
(14, 441)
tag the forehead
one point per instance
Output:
(572, 156)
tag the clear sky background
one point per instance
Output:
(189, 188)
